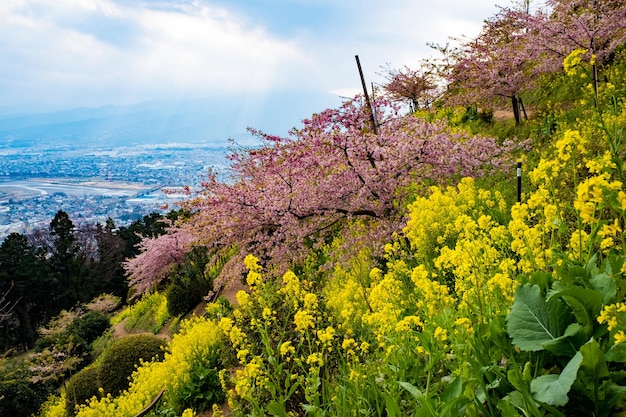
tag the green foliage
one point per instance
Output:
(150, 225)
(89, 326)
(120, 360)
(28, 286)
(193, 351)
(181, 298)
(203, 389)
(563, 324)
(81, 387)
(66, 266)
(553, 389)
(18, 395)
(101, 344)
(218, 309)
(73, 334)
(534, 323)
(188, 283)
(147, 314)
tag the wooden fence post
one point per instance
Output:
(367, 97)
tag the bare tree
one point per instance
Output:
(6, 305)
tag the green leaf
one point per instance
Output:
(613, 264)
(563, 345)
(507, 405)
(594, 362)
(515, 398)
(605, 285)
(412, 389)
(617, 353)
(553, 389)
(277, 409)
(391, 407)
(571, 275)
(542, 279)
(534, 321)
(452, 391)
(585, 303)
(614, 395)
(516, 379)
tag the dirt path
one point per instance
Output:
(231, 289)
(120, 331)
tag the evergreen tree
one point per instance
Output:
(68, 269)
(28, 285)
(108, 274)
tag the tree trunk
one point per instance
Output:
(521, 103)
(516, 114)
(26, 333)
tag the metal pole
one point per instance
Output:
(367, 97)
(519, 182)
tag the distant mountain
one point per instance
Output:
(212, 120)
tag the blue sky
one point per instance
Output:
(59, 54)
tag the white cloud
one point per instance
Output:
(90, 52)
(396, 33)
(190, 50)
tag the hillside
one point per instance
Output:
(387, 264)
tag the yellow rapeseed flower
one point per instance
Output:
(303, 321)
(349, 345)
(573, 60)
(286, 348)
(327, 335)
(441, 334)
(189, 413)
(243, 298)
(608, 315)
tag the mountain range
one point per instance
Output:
(206, 120)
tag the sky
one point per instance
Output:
(61, 54)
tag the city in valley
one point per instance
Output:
(95, 183)
(116, 161)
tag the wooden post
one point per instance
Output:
(521, 103)
(519, 182)
(367, 97)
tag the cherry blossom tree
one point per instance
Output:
(414, 86)
(517, 45)
(158, 255)
(495, 64)
(293, 193)
(597, 26)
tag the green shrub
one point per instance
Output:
(89, 326)
(147, 314)
(19, 396)
(203, 389)
(120, 360)
(76, 337)
(188, 283)
(218, 309)
(69, 343)
(81, 387)
(101, 344)
(182, 297)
